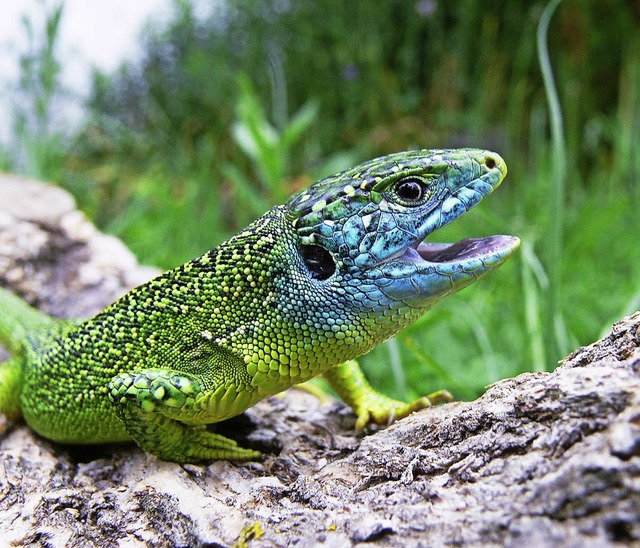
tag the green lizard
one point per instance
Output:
(303, 291)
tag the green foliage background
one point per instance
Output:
(226, 115)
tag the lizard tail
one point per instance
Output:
(18, 320)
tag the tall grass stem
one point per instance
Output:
(554, 238)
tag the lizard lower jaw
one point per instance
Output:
(470, 249)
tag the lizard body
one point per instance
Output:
(303, 291)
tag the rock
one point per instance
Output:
(54, 258)
(544, 459)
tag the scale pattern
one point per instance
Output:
(301, 292)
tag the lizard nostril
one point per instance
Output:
(490, 162)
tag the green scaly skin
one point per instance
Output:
(301, 292)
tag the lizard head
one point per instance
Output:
(344, 265)
(366, 227)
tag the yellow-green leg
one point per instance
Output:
(369, 405)
(156, 406)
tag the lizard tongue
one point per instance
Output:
(469, 248)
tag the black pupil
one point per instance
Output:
(318, 260)
(410, 190)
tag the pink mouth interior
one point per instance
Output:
(468, 248)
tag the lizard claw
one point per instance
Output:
(379, 409)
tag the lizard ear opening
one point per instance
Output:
(318, 261)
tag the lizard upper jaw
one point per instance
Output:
(459, 252)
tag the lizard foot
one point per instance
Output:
(380, 409)
(369, 405)
(157, 407)
(198, 444)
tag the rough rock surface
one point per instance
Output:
(54, 257)
(547, 459)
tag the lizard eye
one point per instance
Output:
(318, 260)
(411, 190)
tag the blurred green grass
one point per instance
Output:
(224, 117)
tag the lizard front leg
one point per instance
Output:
(156, 406)
(348, 380)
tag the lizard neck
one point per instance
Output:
(252, 305)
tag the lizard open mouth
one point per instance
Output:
(465, 250)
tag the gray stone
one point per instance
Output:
(544, 459)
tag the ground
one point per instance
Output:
(545, 459)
